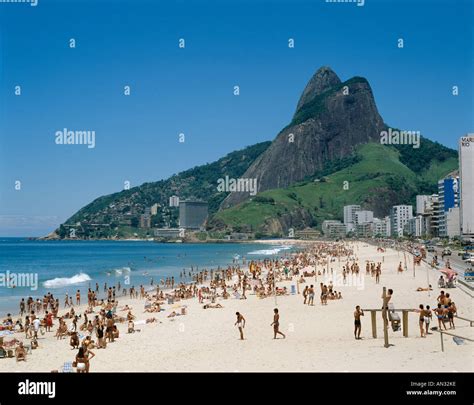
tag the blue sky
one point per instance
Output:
(190, 90)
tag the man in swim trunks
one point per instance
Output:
(240, 324)
(311, 295)
(357, 325)
(428, 316)
(276, 324)
(440, 311)
(421, 322)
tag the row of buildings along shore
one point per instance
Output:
(447, 214)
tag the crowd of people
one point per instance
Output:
(97, 326)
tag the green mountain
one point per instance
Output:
(375, 176)
(117, 215)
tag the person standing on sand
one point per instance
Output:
(22, 306)
(276, 324)
(428, 317)
(422, 312)
(305, 294)
(240, 324)
(357, 325)
(400, 268)
(440, 312)
(311, 295)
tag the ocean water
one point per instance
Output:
(65, 266)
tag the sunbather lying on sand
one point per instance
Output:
(424, 289)
(212, 306)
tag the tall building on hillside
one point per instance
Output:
(466, 172)
(399, 216)
(192, 214)
(145, 221)
(154, 209)
(174, 201)
(349, 216)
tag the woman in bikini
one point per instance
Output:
(240, 324)
(81, 361)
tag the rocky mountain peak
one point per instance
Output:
(331, 119)
(322, 80)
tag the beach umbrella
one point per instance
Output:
(450, 273)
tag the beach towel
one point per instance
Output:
(141, 322)
(458, 340)
(6, 333)
(67, 367)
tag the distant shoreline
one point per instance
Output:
(193, 242)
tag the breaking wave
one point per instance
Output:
(65, 281)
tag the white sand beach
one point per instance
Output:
(318, 338)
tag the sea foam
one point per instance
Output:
(269, 252)
(65, 281)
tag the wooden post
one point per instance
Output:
(405, 323)
(442, 343)
(373, 316)
(384, 316)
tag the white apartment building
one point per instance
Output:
(364, 217)
(466, 173)
(349, 216)
(174, 201)
(399, 216)
(381, 227)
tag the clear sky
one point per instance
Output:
(190, 90)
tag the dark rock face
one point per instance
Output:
(322, 81)
(331, 119)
